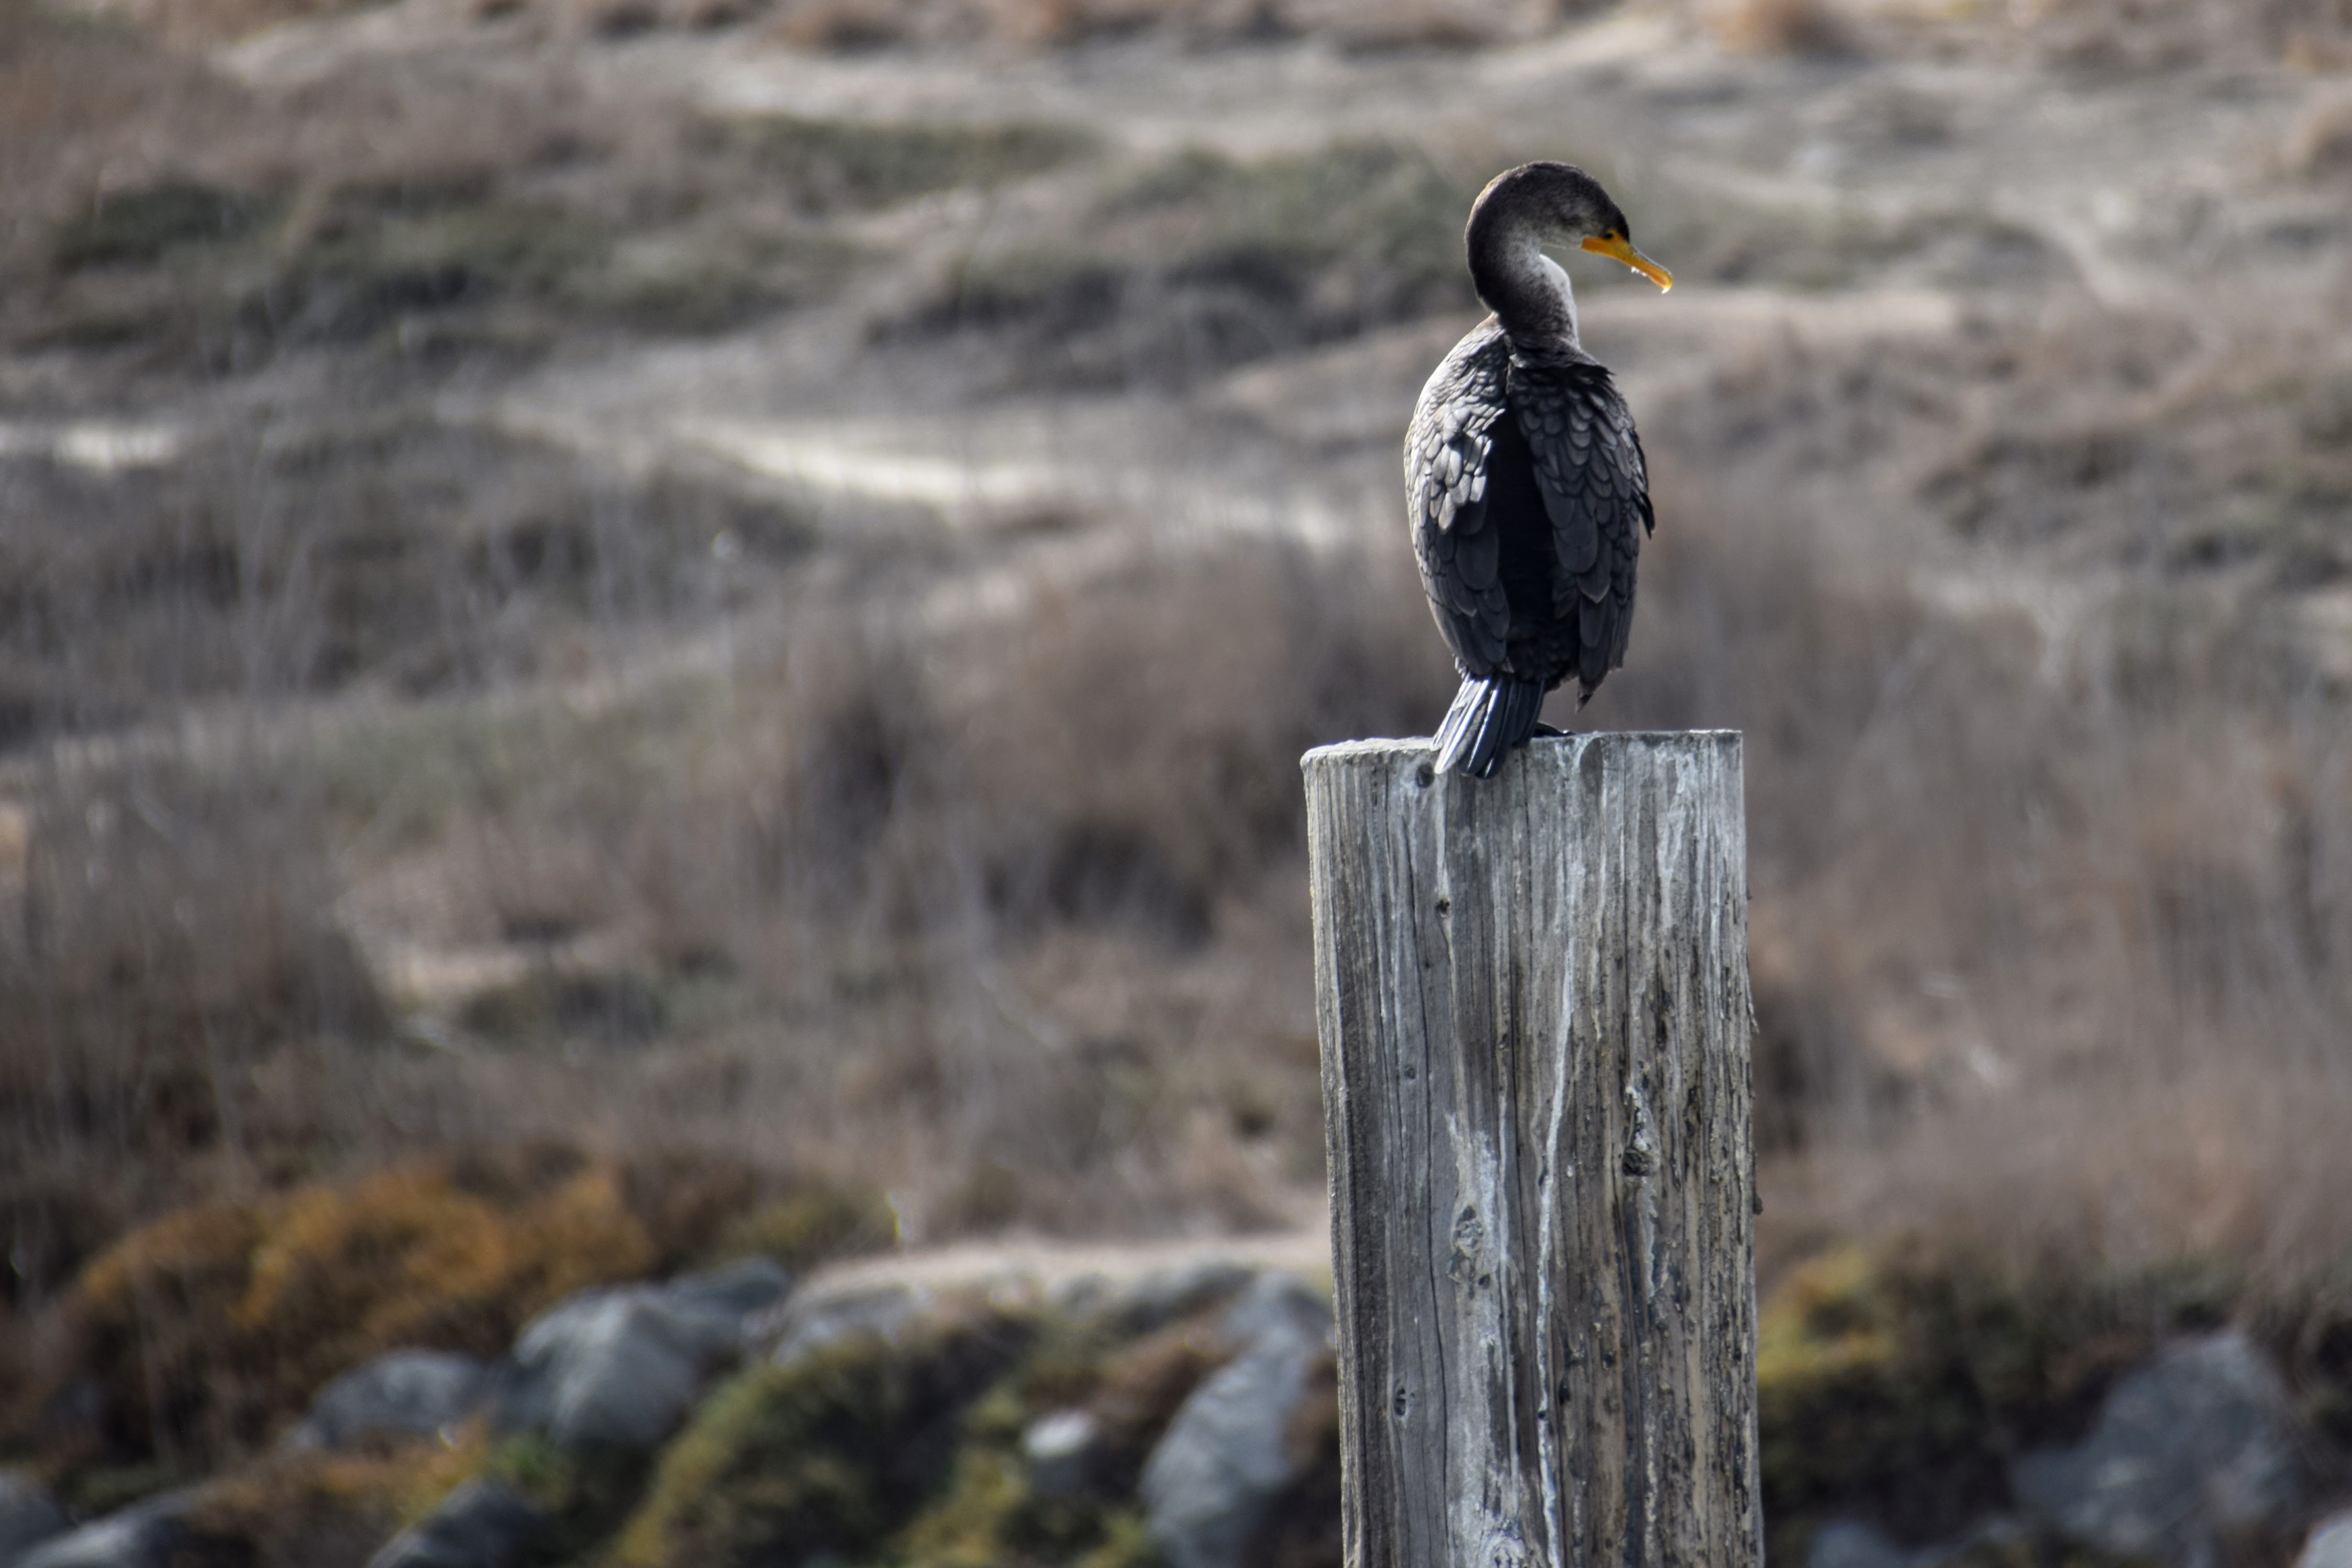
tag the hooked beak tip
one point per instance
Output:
(1619, 250)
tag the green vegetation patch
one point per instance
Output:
(836, 164)
(375, 252)
(142, 226)
(911, 1454)
(823, 1458)
(1204, 260)
(1363, 229)
(617, 1007)
(804, 1222)
(991, 1515)
(187, 268)
(711, 281)
(296, 1510)
(1897, 1384)
(583, 1495)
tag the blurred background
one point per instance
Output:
(643, 633)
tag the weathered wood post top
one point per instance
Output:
(1532, 994)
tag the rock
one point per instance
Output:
(1229, 1453)
(28, 1515)
(2329, 1545)
(886, 1310)
(2000, 1543)
(1849, 1543)
(731, 1295)
(2188, 1455)
(620, 1368)
(1139, 1306)
(1061, 1448)
(144, 1535)
(407, 1393)
(482, 1524)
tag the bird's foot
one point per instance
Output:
(1546, 732)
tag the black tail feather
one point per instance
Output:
(1488, 718)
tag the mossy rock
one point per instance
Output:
(825, 1457)
(297, 1510)
(1848, 1405)
(990, 1516)
(909, 1453)
(1896, 1383)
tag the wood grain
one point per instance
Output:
(1532, 993)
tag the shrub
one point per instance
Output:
(142, 226)
(300, 1510)
(203, 1331)
(1203, 261)
(829, 164)
(825, 1458)
(163, 962)
(808, 1221)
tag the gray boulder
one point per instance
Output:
(1853, 1543)
(2329, 1544)
(620, 1368)
(1849, 1543)
(1151, 1301)
(806, 1328)
(143, 1535)
(1228, 1454)
(482, 1524)
(730, 1296)
(28, 1515)
(2189, 1454)
(407, 1393)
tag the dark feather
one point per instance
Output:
(1530, 495)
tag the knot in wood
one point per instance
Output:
(1469, 1239)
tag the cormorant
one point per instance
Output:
(1523, 474)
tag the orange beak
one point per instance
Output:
(1619, 250)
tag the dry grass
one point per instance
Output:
(152, 962)
(192, 24)
(1001, 914)
(1808, 27)
(1061, 23)
(1199, 261)
(715, 823)
(2320, 144)
(2092, 35)
(853, 25)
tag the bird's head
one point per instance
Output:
(1561, 204)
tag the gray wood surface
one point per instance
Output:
(1532, 992)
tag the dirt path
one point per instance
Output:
(1041, 1269)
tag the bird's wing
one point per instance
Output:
(1457, 542)
(1596, 489)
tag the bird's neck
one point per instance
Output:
(1524, 288)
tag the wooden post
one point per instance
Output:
(1532, 991)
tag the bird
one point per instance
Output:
(1528, 489)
